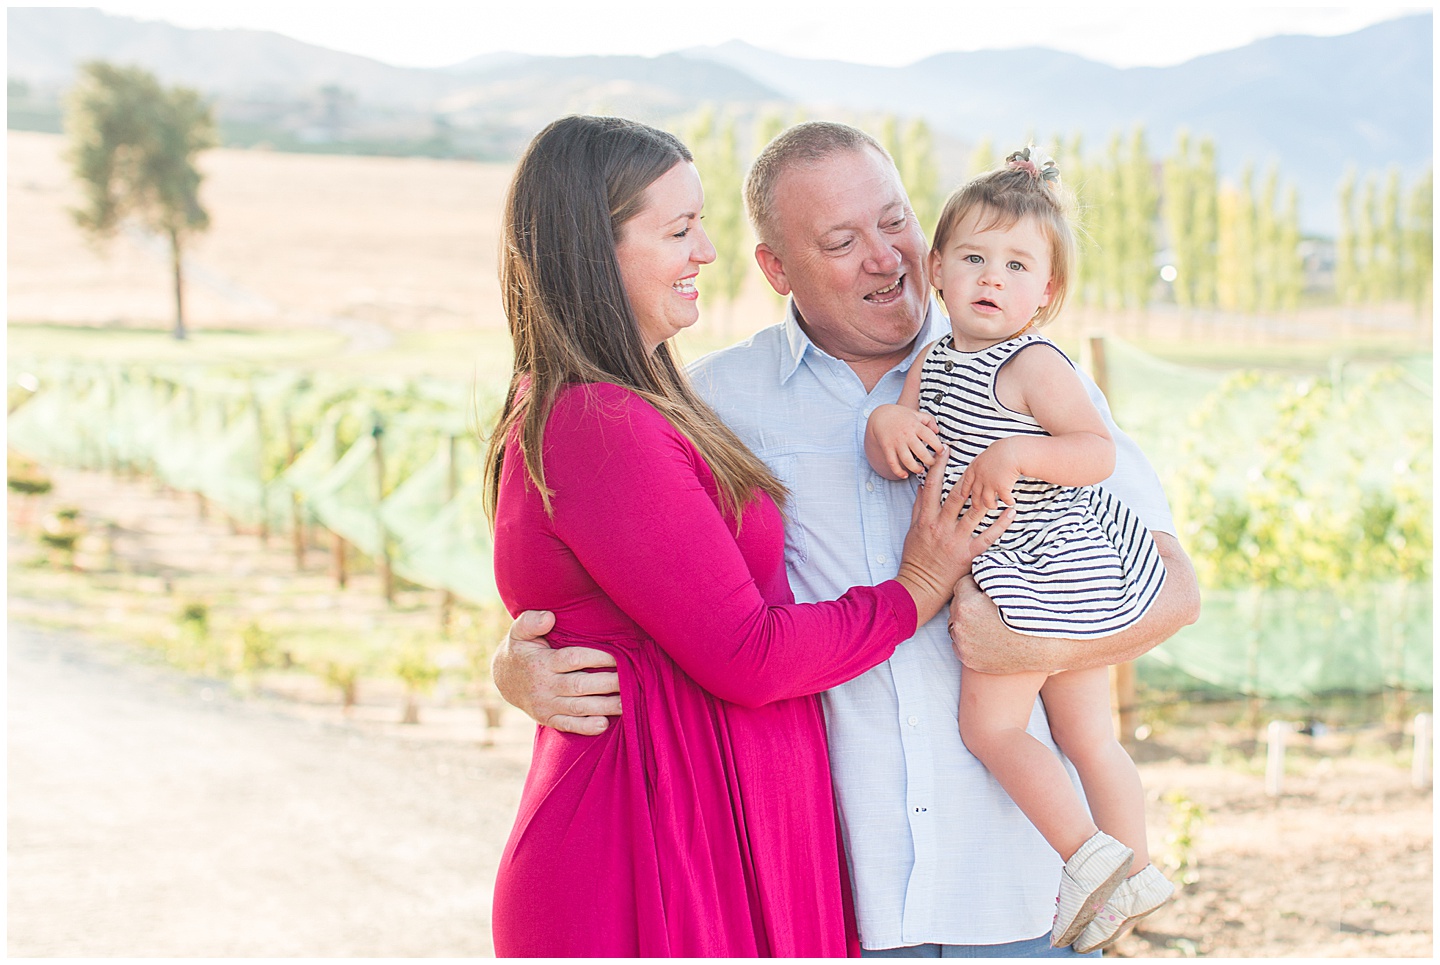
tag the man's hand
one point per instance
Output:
(983, 642)
(552, 686)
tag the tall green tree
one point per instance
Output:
(714, 142)
(1292, 267)
(1347, 244)
(767, 127)
(725, 214)
(1206, 228)
(1236, 282)
(133, 146)
(1420, 242)
(1268, 256)
(920, 173)
(1391, 240)
(1178, 207)
(1110, 225)
(983, 158)
(1247, 242)
(889, 137)
(1075, 174)
(1228, 270)
(1139, 208)
(1367, 240)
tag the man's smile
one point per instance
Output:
(888, 294)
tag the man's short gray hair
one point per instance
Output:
(802, 144)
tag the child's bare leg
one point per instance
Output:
(994, 710)
(1078, 705)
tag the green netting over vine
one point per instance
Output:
(281, 448)
(1289, 643)
(1304, 500)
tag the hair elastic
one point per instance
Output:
(1037, 165)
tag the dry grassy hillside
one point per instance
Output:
(295, 239)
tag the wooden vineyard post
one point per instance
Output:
(297, 522)
(338, 546)
(1275, 757)
(447, 598)
(191, 397)
(1122, 676)
(1097, 364)
(387, 577)
(260, 465)
(1420, 774)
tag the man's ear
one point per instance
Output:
(770, 264)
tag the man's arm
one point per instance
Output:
(553, 686)
(983, 642)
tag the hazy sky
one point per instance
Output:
(433, 33)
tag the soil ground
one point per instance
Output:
(157, 812)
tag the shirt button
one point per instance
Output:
(914, 721)
(867, 412)
(882, 558)
(869, 485)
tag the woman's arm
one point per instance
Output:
(631, 505)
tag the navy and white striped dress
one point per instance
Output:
(1076, 562)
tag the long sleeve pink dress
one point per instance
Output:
(702, 822)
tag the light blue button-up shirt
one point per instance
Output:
(938, 852)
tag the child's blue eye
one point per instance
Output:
(974, 259)
(1015, 266)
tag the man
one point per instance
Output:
(942, 862)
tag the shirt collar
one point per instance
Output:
(799, 343)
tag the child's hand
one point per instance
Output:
(990, 475)
(903, 441)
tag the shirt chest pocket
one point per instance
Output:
(787, 468)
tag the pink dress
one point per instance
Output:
(702, 822)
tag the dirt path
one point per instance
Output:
(153, 814)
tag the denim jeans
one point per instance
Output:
(1033, 948)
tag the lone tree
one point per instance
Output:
(133, 145)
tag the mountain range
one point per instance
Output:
(1313, 105)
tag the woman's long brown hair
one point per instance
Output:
(580, 180)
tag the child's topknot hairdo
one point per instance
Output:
(1031, 161)
(1027, 185)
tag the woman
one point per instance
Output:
(702, 820)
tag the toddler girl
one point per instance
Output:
(1075, 563)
